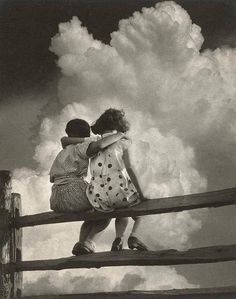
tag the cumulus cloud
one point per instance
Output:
(181, 106)
(104, 280)
(154, 64)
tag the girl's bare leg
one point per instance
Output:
(134, 241)
(138, 220)
(121, 225)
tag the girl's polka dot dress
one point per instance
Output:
(110, 187)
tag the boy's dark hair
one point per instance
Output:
(111, 119)
(77, 128)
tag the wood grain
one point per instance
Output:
(16, 247)
(5, 234)
(207, 293)
(211, 199)
(126, 257)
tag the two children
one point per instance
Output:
(113, 184)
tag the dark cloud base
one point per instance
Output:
(80, 284)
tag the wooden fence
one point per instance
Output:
(12, 266)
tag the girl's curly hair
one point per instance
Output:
(111, 119)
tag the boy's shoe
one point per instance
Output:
(117, 245)
(135, 243)
(80, 249)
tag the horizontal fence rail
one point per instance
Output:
(12, 266)
(213, 293)
(133, 258)
(211, 199)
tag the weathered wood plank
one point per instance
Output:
(213, 293)
(5, 233)
(134, 258)
(16, 247)
(148, 207)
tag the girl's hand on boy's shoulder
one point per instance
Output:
(125, 136)
(64, 141)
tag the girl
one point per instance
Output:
(69, 187)
(113, 184)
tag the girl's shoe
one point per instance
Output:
(117, 245)
(135, 243)
(80, 249)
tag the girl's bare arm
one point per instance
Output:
(131, 173)
(71, 140)
(102, 143)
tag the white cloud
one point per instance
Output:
(153, 64)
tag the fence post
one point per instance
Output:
(16, 247)
(10, 238)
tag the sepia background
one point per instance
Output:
(172, 67)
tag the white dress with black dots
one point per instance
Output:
(110, 187)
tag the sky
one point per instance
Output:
(171, 67)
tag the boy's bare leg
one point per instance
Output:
(89, 234)
(84, 230)
(92, 230)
